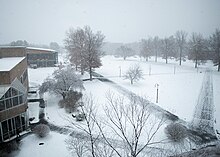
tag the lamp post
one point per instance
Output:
(119, 71)
(157, 86)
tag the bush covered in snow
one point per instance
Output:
(71, 102)
(176, 132)
(41, 130)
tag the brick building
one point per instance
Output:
(38, 57)
(13, 93)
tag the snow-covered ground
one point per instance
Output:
(179, 88)
(178, 91)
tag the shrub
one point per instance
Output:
(70, 103)
(176, 132)
(41, 130)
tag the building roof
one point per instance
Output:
(40, 49)
(6, 64)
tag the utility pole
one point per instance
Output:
(119, 71)
(174, 71)
(157, 86)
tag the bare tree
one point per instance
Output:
(124, 51)
(88, 125)
(197, 48)
(181, 42)
(146, 48)
(62, 82)
(134, 73)
(215, 46)
(168, 48)
(84, 47)
(131, 123)
(156, 46)
(77, 145)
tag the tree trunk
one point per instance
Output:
(131, 81)
(166, 58)
(219, 60)
(180, 56)
(90, 73)
(219, 64)
(63, 95)
(196, 63)
(156, 57)
(146, 58)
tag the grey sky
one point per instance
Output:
(43, 21)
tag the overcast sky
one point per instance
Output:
(43, 21)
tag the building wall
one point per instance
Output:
(6, 77)
(18, 71)
(12, 52)
(41, 57)
(11, 112)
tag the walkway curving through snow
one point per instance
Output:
(203, 118)
(198, 135)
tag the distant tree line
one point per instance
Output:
(181, 46)
(52, 45)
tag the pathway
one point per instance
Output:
(203, 118)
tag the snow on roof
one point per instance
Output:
(42, 49)
(6, 64)
(12, 47)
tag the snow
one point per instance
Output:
(178, 92)
(216, 88)
(6, 64)
(179, 88)
(54, 145)
(41, 49)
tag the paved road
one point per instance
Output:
(203, 118)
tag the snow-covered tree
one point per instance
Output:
(124, 51)
(62, 82)
(215, 46)
(134, 73)
(84, 48)
(181, 43)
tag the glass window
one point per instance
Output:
(5, 130)
(21, 99)
(8, 103)
(8, 93)
(2, 105)
(14, 92)
(18, 122)
(15, 101)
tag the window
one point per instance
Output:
(8, 103)
(2, 105)
(15, 101)
(5, 130)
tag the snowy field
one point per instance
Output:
(179, 88)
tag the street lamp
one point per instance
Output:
(157, 86)
(119, 71)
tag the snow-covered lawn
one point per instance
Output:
(178, 92)
(179, 88)
(53, 145)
